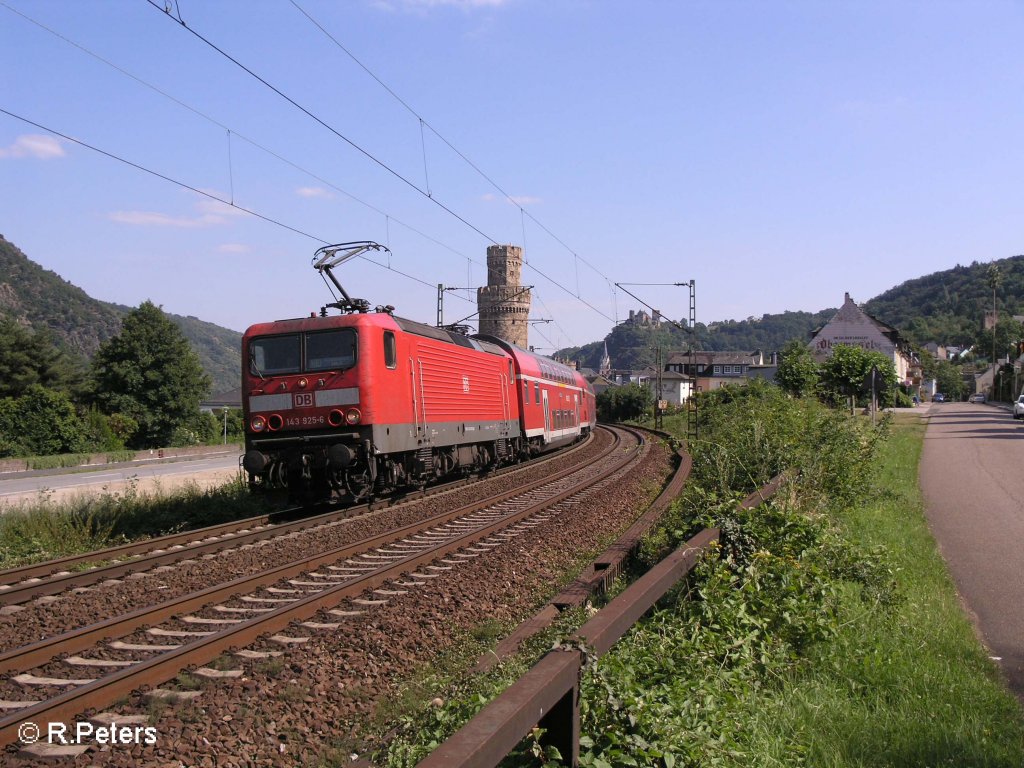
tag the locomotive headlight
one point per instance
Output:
(257, 424)
(353, 416)
(302, 383)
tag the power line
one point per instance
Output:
(351, 143)
(232, 132)
(326, 125)
(204, 193)
(388, 217)
(424, 123)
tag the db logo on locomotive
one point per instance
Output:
(303, 400)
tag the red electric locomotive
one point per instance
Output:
(363, 403)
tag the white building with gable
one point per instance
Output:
(854, 327)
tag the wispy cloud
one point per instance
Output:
(155, 219)
(313, 192)
(215, 208)
(35, 146)
(525, 200)
(208, 213)
(233, 248)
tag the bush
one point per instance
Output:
(41, 421)
(629, 401)
(99, 435)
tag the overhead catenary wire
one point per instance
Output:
(231, 131)
(355, 146)
(424, 123)
(202, 192)
(270, 219)
(367, 154)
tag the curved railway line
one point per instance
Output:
(282, 606)
(29, 582)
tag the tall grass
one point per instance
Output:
(42, 529)
(834, 639)
(911, 687)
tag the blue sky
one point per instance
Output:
(777, 153)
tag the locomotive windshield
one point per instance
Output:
(275, 355)
(327, 350)
(297, 353)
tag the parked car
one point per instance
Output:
(977, 397)
(938, 397)
(1018, 408)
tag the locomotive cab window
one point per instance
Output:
(327, 350)
(390, 350)
(275, 355)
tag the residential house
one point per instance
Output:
(675, 387)
(715, 369)
(854, 327)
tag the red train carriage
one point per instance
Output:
(556, 402)
(364, 403)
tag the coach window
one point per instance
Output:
(329, 350)
(390, 351)
(536, 392)
(526, 393)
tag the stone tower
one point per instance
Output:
(504, 304)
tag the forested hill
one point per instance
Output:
(945, 307)
(949, 307)
(42, 299)
(634, 346)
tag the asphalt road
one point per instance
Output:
(972, 477)
(86, 480)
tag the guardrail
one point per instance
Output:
(548, 694)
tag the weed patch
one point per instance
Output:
(44, 529)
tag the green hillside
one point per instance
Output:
(634, 346)
(946, 307)
(40, 298)
(949, 307)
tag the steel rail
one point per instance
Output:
(27, 657)
(171, 548)
(107, 689)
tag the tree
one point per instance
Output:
(798, 371)
(150, 374)
(844, 372)
(32, 357)
(949, 379)
(629, 401)
(994, 279)
(1006, 334)
(39, 423)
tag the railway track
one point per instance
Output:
(315, 594)
(52, 577)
